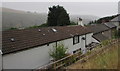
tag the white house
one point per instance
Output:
(29, 48)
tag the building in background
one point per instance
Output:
(100, 32)
(116, 22)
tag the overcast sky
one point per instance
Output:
(83, 8)
(60, 0)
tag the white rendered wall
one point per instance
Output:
(89, 38)
(28, 59)
(69, 43)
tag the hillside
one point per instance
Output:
(21, 19)
(107, 60)
(16, 18)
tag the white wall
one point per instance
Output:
(69, 44)
(79, 45)
(83, 44)
(89, 38)
(36, 57)
(28, 59)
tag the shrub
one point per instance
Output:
(58, 52)
(13, 28)
(116, 34)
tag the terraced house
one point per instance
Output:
(102, 31)
(116, 21)
(29, 48)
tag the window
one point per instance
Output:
(75, 39)
(76, 51)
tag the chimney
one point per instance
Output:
(80, 22)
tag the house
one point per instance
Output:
(29, 48)
(116, 21)
(112, 29)
(100, 32)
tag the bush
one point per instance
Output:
(116, 34)
(13, 28)
(58, 52)
(35, 26)
(106, 42)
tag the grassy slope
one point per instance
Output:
(107, 60)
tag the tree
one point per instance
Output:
(58, 16)
(58, 52)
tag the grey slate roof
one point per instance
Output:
(110, 25)
(17, 40)
(97, 28)
(100, 37)
(116, 18)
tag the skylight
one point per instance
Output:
(43, 34)
(54, 30)
(12, 39)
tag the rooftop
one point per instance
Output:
(97, 28)
(100, 37)
(110, 24)
(116, 18)
(16, 40)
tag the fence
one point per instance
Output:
(77, 56)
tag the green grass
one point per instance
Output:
(105, 60)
